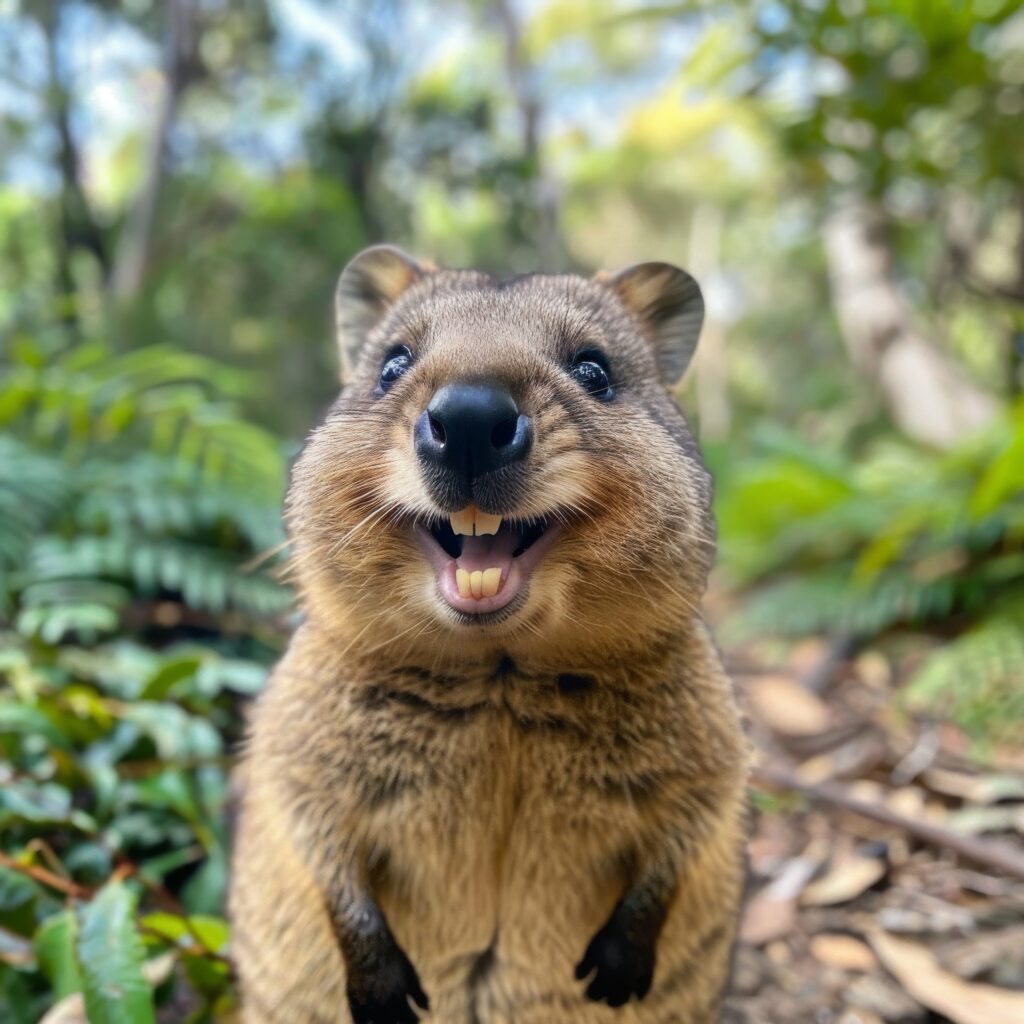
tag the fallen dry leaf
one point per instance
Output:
(974, 820)
(851, 760)
(845, 881)
(975, 789)
(874, 669)
(860, 1017)
(963, 1002)
(975, 954)
(786, 707)
(765, 919)
(867, 791)
(908, 800)
(772, 912)
(879, 994)
(70, 1010)
(806, 655)
(843, 951)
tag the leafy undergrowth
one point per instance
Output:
(140, 605)
(114, 811)
(895, 540)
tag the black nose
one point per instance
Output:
(472, 429)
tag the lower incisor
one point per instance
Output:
(491, 582)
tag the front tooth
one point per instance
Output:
(462, 582)
(491, 582)
(462, 522)
(476, 584)
(486, 524)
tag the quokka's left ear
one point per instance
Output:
(670, 308)
(372, 281)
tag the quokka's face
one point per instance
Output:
(505, 458)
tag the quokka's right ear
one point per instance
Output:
(372, 282)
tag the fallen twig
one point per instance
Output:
(998, 856)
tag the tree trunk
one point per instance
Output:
(925, 391)
(520, 75)
(78, 228)
(180, 67)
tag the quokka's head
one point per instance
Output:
(505, 463)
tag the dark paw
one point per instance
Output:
(382, 996)
(622, 967)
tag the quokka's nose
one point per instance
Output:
(472, 429)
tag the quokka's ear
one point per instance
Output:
(371, 282)
(669, 306)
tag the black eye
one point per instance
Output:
(591, 374)
(396, 364)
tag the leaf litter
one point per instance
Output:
(886, 853)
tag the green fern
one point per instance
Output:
(129, 479)
(897, 539)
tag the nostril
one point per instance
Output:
(437, 428)
(504, 433)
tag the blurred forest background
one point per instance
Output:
(180, 184)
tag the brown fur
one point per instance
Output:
(496, 788)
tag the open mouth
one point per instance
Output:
(481, 561)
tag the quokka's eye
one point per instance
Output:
(398, 362)
(590, 372)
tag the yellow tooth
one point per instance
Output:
(486, 524)
(491, 582)
(476, 584)
(462, 522)
(462, 582)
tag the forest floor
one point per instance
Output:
(886, 856)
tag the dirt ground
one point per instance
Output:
(886, 856)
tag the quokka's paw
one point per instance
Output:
(382, 994)
(621, 966)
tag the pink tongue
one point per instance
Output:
(480, 553)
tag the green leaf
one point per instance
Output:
(55, 951)
(29, 720)
(204, 892)
(173, 672)
(15, 889)
(206, 974)
(110, 954)
(211, 932)
(18, 896)
(245, 677)
(17, 1003)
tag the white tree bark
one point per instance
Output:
(925, 391)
